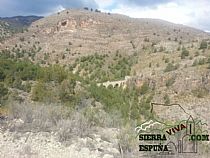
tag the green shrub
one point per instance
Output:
(39, 91)
(196, 53)
(150, 65)
(127, 141)
(201, 61)
(145, 106)
(66, 90)
(166, 99)
(53, 73)
(170, 81)
(208, 60)
(161, 49)
(22, 39)
(171, 67)
(184, 53)
(166, 60)
(203, 44)
(2, 74)
(195, 62)
(3, 92)
(26, 87)
(144, 88)
(17, 83)
(124, 101)
(200, 92)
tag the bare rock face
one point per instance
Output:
(69, 24)
(72, 24)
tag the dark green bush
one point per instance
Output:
(125, 101)
(144, 88)
(170, 82)
(166, 99)
(39, 91)
(3, 92)
(171, 67)
(184, 53)
(203, 44)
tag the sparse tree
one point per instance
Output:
(167, 99)
(203, 44)
(3, 92)
(184, 53)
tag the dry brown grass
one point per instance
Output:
(59, 119)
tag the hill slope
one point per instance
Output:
(11, 25)
(76, 33)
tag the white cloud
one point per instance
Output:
(104, 3)
(57, 9)
(188, 12)
(169, 12)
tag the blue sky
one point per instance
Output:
(195, 13)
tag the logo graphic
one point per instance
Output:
(171, 131)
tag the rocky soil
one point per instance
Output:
(43, 144)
